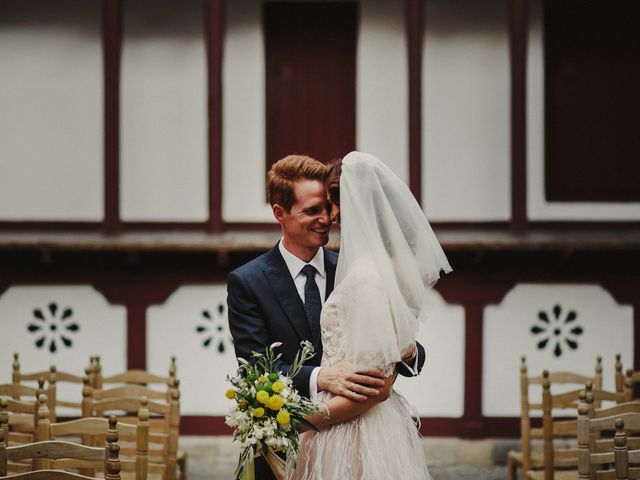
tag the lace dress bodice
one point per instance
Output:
(383, 442)
(333, 318)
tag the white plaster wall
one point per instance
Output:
(181, 327)
(382, 85)
(381, 96)
(607, 330)
(465, 111)
(164, 159)
(243, 135)
(101, 330)
(51, 125)
(537, 205)
(439, 389)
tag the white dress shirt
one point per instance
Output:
(295, 266)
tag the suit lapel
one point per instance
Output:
(330, 271)
(285, 291)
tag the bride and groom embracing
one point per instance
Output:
(361, 311)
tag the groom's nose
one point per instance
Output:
(325, 218)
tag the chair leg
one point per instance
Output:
(512, 469)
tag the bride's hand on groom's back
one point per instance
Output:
(340, 380)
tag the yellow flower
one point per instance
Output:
(262, 397)
(275, 402)
(230, 394)
(262, 379)
(258, 412)
(277, 387)
(283, 417)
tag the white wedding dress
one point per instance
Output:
(383, 443)
(389, 258)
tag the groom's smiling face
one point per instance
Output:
(305, 227)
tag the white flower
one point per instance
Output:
(236, 418)
(274, 442)
(275, 345)
(248, 442)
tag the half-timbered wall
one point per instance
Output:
(163, 112)
(51, 107)
(123, 117)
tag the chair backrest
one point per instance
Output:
(54, 379)
(49, 475)
(44, 452)
(527, 408)
(21, 415)
(554, 427)
(18, 391)
(136, 377)
(626, 461)
(568, 427)
(597, 455)
(96, 431)
(164, 421)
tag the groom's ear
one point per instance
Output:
(278, 212)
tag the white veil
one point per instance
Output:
(385, 230)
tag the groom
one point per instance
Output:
(278, 296)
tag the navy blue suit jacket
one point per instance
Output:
(264, 307)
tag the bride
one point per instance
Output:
(389, 257)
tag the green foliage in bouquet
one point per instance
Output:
(268, 408)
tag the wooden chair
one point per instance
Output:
(54, 378)
(96, 431)
(558, 462)
(598, 455)
(528, 458)
(164, 421)
(20, 403)
(562, 463)
(19, 421)
(43, 453)
(142, 378)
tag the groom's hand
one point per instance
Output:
(340, 380)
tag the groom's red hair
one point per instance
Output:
(285, 172)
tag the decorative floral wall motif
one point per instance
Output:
(214, 331)
(557, 329)
(52, 327)
(192, 325)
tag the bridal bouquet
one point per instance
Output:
(268, 410)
